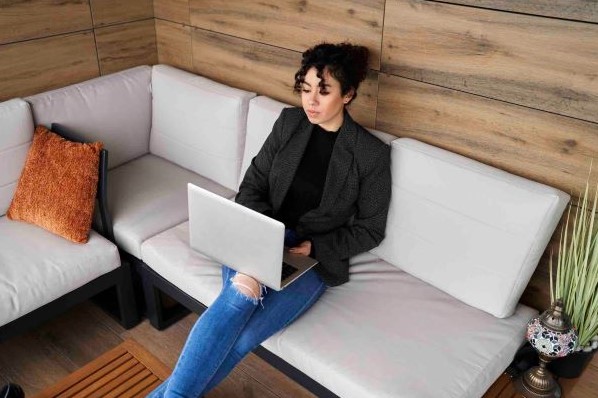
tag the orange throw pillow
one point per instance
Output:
(57, 187)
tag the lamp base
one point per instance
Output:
(538, 383)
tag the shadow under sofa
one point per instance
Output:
(439, 296)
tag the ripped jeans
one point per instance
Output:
(232, 327)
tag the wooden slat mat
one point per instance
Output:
(127, 370)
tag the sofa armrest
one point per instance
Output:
(102, 197)
(102, 191)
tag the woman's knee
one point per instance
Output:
(247, 286)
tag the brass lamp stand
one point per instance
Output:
(553, 337)
(538, 382)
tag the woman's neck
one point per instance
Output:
(333, 126)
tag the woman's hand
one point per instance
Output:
(304, 248)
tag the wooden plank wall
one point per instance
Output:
(513, 84)
(46, 44)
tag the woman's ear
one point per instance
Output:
(349, 96)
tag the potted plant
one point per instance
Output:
(576, 282)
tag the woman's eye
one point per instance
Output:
(324, 92)
(305, 90)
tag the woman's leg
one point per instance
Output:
(278, 310)
(211, 339)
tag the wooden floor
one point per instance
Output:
(42, 357)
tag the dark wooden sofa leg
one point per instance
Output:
(159, 315)
(153, 304)
(129, 316)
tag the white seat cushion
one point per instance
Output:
(471, 230)
(149, 195)
(16, 133)
(37, 267)
(115, 109)
(388, 334)
(170, 255)
(380, 335)
(198, 124)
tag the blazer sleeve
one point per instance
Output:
(369, 224)
(254, 189)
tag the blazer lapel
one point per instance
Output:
(287, 160)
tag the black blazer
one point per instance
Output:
(351, 217)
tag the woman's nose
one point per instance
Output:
(313, 98)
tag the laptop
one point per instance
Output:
(243, 239)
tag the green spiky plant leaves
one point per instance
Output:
(576, 280)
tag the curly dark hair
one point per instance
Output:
(346, 62)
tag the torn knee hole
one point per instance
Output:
(247, 286)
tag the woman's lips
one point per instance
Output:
(312, 113)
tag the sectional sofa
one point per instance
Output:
(432, 312)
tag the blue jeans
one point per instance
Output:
(231, 328)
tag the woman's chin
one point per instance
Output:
(313, 120)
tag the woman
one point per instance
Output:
(328, 180)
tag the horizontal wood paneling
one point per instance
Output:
(23, 20)
(46, 44)
(580, 10)
(174, 44)
(265, 69)
(363, 109)
(106, 12)
(542, 63)
(172, 10)
(245, 64)
(545, 147)
(296, 25)
(127, 45)
(34, 66)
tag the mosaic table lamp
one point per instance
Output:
(552, 336)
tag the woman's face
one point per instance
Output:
(323, 106)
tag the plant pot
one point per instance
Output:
(572, 365)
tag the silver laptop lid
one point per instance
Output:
(234, 235)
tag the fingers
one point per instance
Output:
(299, 250)
(304, 248)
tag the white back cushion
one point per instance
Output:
(16, 131)
(115, 109)
(382, 136)
(199, 124)
(263, 112)
(471, 230)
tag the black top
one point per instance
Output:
(305, 192)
